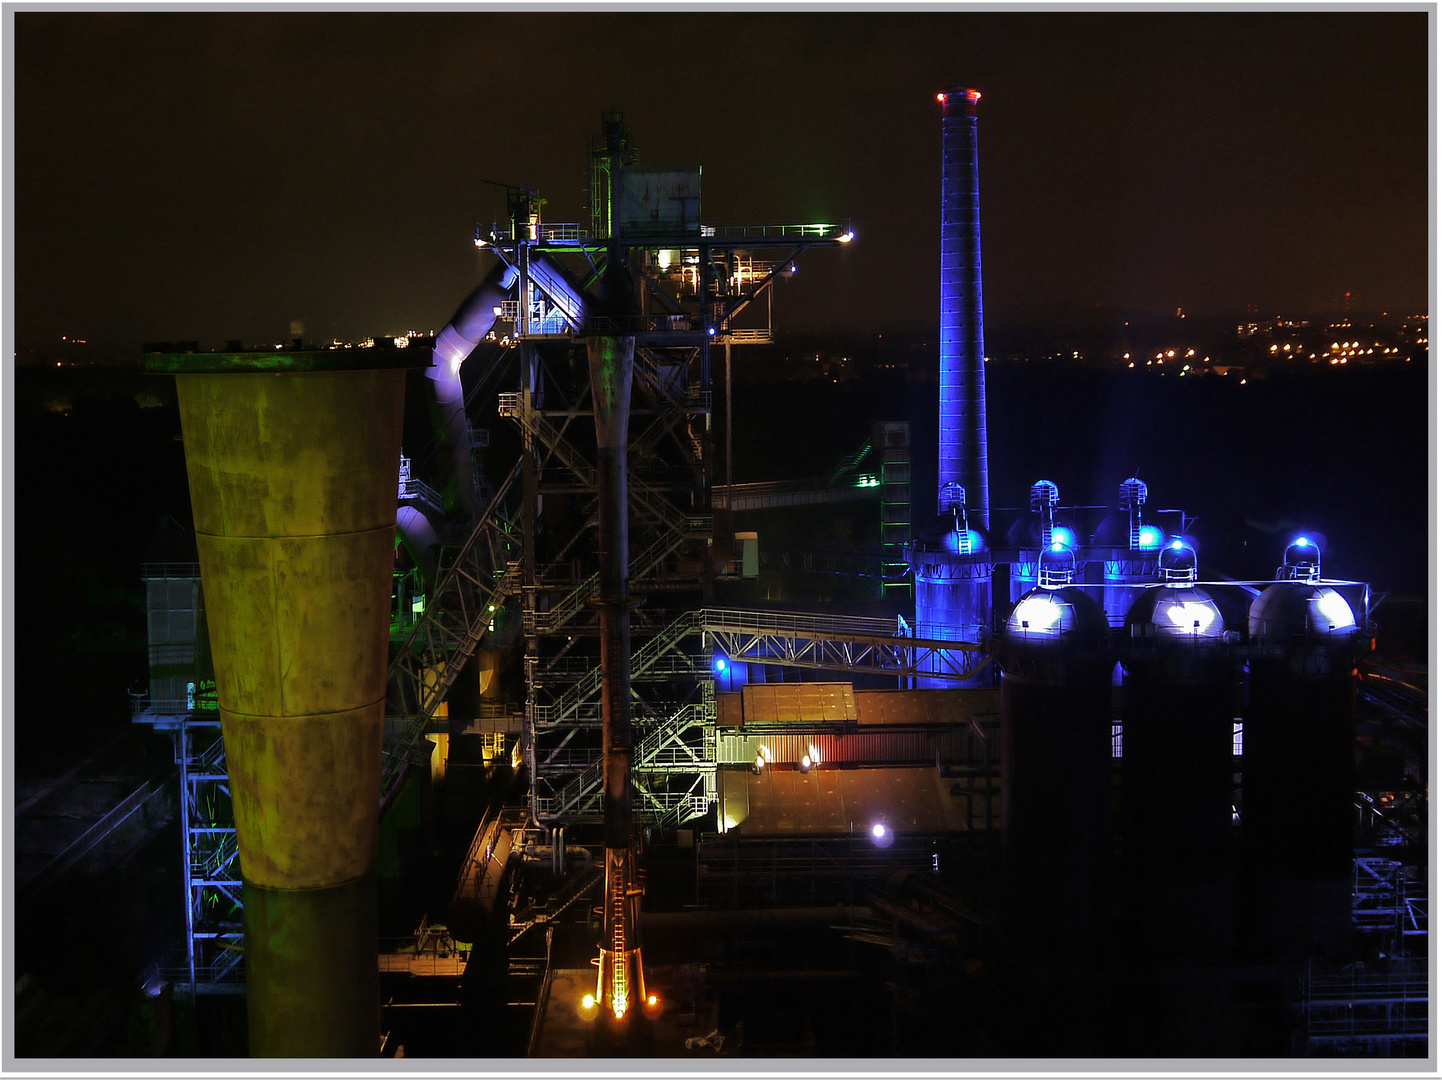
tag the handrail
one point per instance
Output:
(429, 637)
(82, 844)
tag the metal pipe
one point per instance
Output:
(471, 322)
(419, 538)
(612, 361)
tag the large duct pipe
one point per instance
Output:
(418, 536)
(961, 456)
(471, 322)
(292, 467)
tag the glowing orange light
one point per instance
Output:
(973, 95)
(941, 98)
(651, 1000)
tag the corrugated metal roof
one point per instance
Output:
(779, 703)
(925, 706)
(786, 801)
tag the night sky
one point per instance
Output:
(213, 176)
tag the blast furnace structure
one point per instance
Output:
(558, 616)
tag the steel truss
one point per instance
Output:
(182, 704)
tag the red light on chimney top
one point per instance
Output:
(973, 95)
(941, 98)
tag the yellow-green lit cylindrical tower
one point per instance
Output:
(292, 458)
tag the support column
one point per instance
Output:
(620, 983)
(292, 461)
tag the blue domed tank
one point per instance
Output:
(1298, 777)
(1055, 656)
(1177, 766)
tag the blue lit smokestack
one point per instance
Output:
(962, 448)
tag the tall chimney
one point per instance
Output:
(961, 452)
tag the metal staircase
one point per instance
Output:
(458, 614)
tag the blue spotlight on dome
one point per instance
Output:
(1149, 538)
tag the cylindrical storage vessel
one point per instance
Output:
(1298, 785)
(1176, 828)
(1056, 663)
(953, 594)
(292, 460)
(1023, 573)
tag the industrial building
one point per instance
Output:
(1047, 769)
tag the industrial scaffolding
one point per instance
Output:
(181, 702)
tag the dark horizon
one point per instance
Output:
(218, 175)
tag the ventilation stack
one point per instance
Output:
(953, 573)
(961, 457)
(292, 460)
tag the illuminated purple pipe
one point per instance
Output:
(419, 537)
(471, 322)
(961, 456)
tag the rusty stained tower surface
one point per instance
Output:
(292, 461)
(961, 452)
